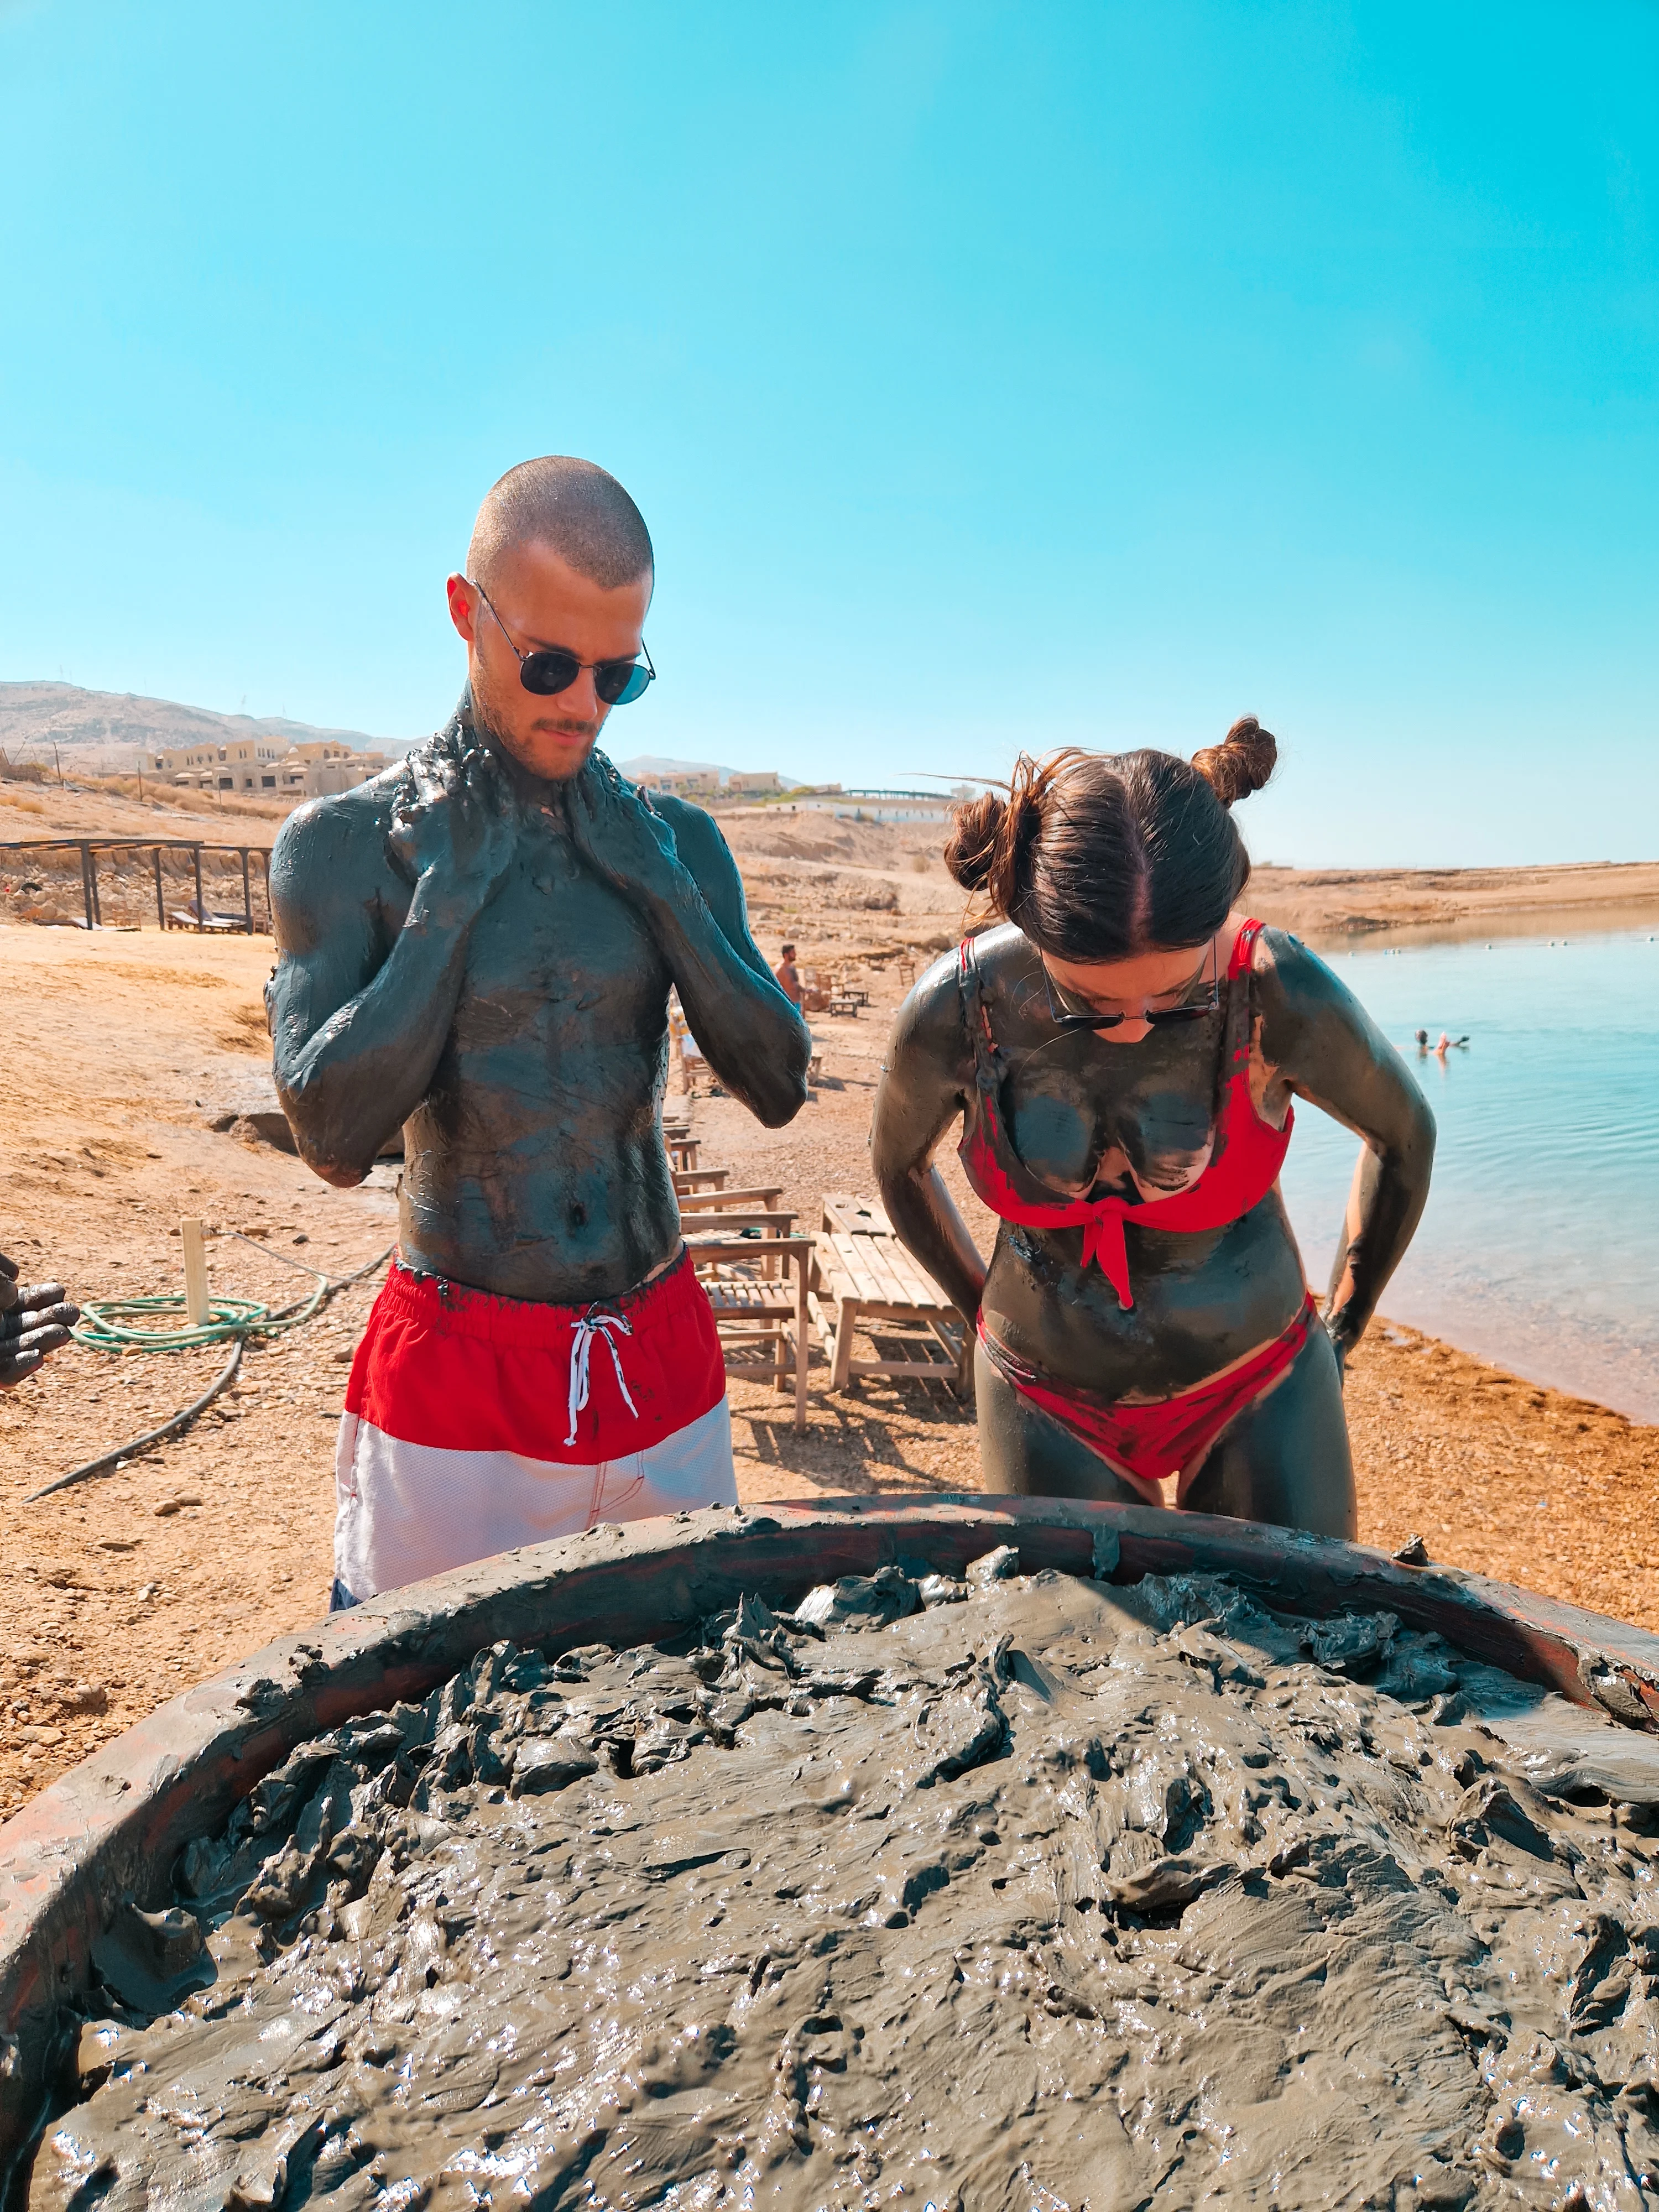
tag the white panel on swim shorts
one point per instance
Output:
(404, 1512)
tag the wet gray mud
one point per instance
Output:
(1019, 1893)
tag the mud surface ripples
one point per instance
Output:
(1010, 1892)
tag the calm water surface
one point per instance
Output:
(1539, 1246)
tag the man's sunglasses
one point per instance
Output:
(552, 670)
(1192, 1010)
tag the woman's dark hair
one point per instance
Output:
(1100, 856)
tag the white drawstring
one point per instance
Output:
(590, 1326)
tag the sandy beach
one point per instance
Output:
(127, 1045)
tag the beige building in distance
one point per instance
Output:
(682, 783)
(705, 783)
(243, 764)
(263, 767)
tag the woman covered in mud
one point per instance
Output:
(1122, 1054)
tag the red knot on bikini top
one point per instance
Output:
(1245, 1152)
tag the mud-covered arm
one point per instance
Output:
(361, 1006)
(671, 861)
(924, 1088)
(1318, 1041)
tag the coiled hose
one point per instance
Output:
(119, 1325)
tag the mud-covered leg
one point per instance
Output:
(1285, 1459)
(1023, 1449)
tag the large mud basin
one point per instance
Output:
(1082, 1936)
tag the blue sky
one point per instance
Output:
(989, 376)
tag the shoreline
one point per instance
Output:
(1350, 908)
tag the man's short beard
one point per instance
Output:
(487, 715)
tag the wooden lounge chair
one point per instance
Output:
(764, 1319)
(701, 1204)
(190, 916)
(692, 1179)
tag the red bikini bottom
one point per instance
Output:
(1165, 1436)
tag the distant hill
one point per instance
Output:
(35, 716)
(109, 727)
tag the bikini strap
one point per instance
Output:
(1236, 1061)
(976, 1015)
(1243, 951)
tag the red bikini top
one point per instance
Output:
(1246, 1153)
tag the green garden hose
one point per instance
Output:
(108, 1324)
(118, 1325)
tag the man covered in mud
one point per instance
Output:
(479, 948)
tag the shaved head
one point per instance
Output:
(572, 507)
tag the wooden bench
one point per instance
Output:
(855, 1217)
(764, 1320)
(681, 1153)
(862, 1277)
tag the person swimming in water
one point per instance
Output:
(1122, 1054)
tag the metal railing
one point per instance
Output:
(90, 847)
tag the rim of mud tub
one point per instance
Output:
(113, 1827)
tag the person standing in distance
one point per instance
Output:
(787, 977)
(478, 947)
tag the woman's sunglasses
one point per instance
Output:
(1192, 1010)
(552, 670)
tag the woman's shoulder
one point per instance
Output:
(935, 1017)
(1279, 956)
(1000, 953)
(1294, 992)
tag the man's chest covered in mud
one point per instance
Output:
(558, 964)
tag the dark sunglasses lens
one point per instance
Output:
(546, 673)
(619, 683)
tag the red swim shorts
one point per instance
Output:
(475, 1424)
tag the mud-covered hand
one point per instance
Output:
(456, 826)
(619, 833)
(34, 1319)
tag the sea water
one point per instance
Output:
(1539, 1248)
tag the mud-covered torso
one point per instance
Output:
(1070, 1116)
(535, 1165)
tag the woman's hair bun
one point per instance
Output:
(970, 850)
(1241, 763)
(989, 847)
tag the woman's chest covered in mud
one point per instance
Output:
(1153, 1116)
